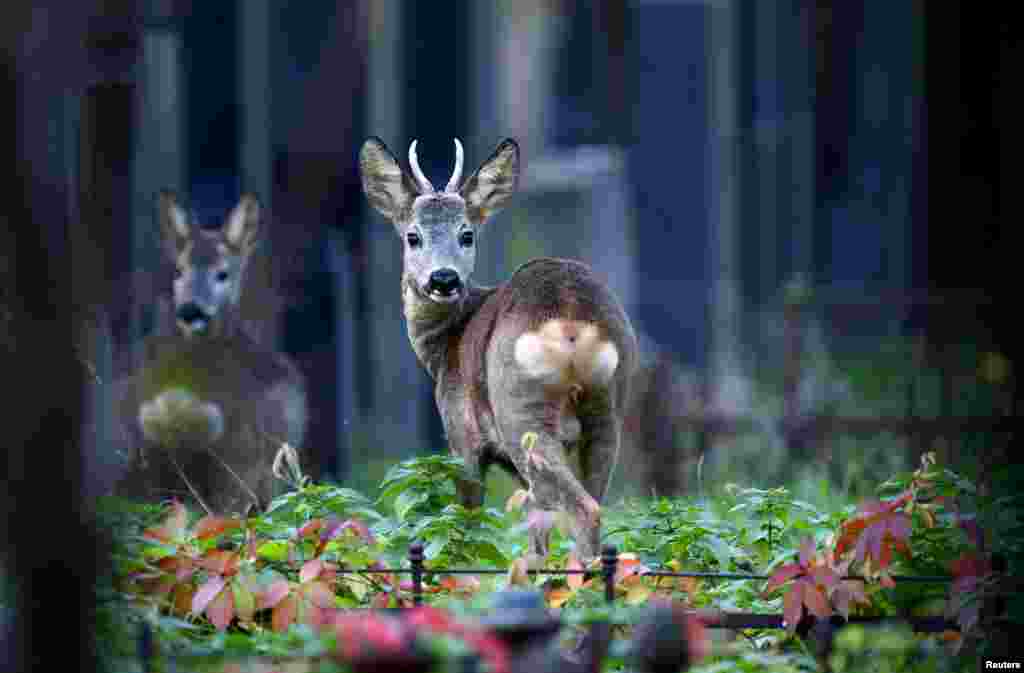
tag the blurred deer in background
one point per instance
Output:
(660, 447)
(209, 407)
(549, 352)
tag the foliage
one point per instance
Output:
(281, 583)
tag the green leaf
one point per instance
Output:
(275, 550)
(406, 501)
(435, 547)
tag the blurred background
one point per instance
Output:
(802, 205)
(805, 206)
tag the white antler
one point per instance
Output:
(453, 183)
(414, 163)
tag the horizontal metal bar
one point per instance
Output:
(927, 579)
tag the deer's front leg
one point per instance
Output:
(464, 440)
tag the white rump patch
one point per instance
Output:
(177, 419)
(566, 352)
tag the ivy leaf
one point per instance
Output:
(284, 613)
(274, 594)
(245, 600)
(792, 606)
(212, 526)
(221, 609)
(206, 593)
(337, 527)
(274, 550)
(174, 526)
(875, 532)
(783, 575)
(310, 570)
(436, 546)
(219, 561)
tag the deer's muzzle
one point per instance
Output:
(193, 318)
(444, 285)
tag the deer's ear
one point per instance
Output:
(242, 227)
(389, 189)
(175, 227)
(493, 183)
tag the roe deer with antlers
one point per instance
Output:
(209, 407)
(549, 352)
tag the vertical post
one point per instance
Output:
(160, 150)
(917, 439)
(254, 92)
(416, 563)
(609, 560)
(794, 300)
(723, 213)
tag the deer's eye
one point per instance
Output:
(466, 239)
(413, 239)
(178, 273)
(221, 276)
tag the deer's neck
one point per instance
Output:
(431, 325)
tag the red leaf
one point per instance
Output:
(337, 527)
(806, 551)
(219, 561)
(310, 570)
(284, 614)
(574, 581)
(173, 527)
(823, 576)
(274, 594)
(792, 605)
(384, 634)
(782, 575)
(874, 533)
(814, 599)
(207, 593)
(970, 565)
(182, 567)
(431, 619)
(211, 526)
(697, 640)
(222, 609)
(311, 527)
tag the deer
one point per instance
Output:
(547, 355)
(209, 407)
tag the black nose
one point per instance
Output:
(190, 313)
(444, 281)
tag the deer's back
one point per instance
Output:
(548, 287)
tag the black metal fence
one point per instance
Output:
(594, 646)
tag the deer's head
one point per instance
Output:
(209, 264)
(438, 229)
